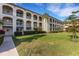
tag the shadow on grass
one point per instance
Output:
(28, 39)
(75, 40)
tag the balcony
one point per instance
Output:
(7, 10)
(28, 25)
(28, 28)
(19, 25)
(7, 21)
(35, 28)
(19, 13)
(28, 15)
(35, 17)
(7, 24)
(19, 29)
(40, 18)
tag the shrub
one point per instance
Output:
(1, 39)
(41, 32)
(54, 31)
(2, 32)
(17, 33)
(28, 33)
(33, 32)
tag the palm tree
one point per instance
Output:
(73, 21)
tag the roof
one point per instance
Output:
(33, 11)
(23, 8)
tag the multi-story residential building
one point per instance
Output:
(16, 18)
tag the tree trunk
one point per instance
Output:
(74, 36)
(74, 30)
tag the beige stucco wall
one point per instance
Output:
(45, 22)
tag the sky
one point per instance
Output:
(58, 10)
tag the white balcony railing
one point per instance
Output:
(28, 28)
(7, 12)
(19, 25)
(19, 15)
(7, 24)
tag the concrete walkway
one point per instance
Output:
(8, 47)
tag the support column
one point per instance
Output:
(14, 20)
(1, 14)
(48, 25)
(32, 22)
(37, 22)
(44, 24)
(24, 21)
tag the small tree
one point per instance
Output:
(73, 21)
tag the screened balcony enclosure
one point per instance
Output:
(28, 25)
(34, 17)
(19, 13)
(7, 21)
(28, 15)
(19, 23)
(7, 10)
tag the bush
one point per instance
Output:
(2, 32)
(33, 32)
(54, 31)
(28, 33)
(1, 39)
(41, 32)
(17, 33)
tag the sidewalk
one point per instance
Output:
(8, 47)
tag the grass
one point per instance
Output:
(50, 44)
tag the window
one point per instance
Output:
(19, 13)
(28, 25)
(35, 26)
(19, 29)
(40, 24)
(40, 18)
(50, 27)
(7, 21)
(7, 10)
(19, 22)
(50, 20)
(34, 17)
(28, 15)
(40, 27)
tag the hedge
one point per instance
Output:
(17, 33)
(33, 32)
(28, 33)
(1, 39)
(2, 32)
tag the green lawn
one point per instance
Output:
(50, 44)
